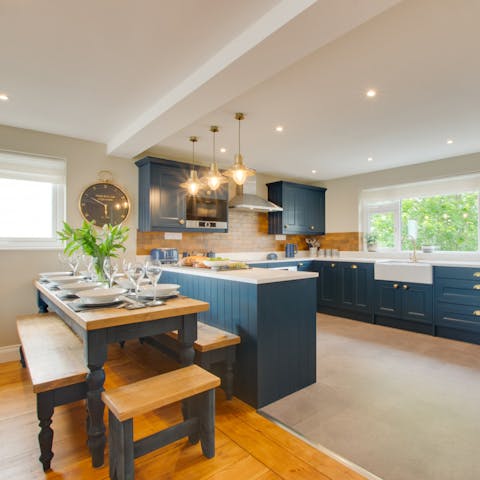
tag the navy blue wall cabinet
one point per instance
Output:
(162, 202)
(457, 303)
(277, 326)
(404, 305)
(303, 209)
(345, 289)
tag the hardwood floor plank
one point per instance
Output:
(248, 446)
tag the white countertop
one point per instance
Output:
(251, 275)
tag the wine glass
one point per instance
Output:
(110, 268)
(135, 272)
(153, 269)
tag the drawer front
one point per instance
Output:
(461, 273)
(451, 290)
(463, 317)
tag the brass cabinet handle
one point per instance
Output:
(354, 266)
(300, 264)
(477, 313)
(312, 227)
(405, 287)
(332, 265)
(476, 274)
(181, 221)
(476, 287)
(395, 285)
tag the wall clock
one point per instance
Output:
(104, 202)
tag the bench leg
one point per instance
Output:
(207, 422)
(22, 357)
(120, 448)
(45, 407)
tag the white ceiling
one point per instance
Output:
(147, 74)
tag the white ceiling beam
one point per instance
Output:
(275, 41)
(165, 117)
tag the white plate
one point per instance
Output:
(79, 286)
(101, 295)
(216, 263)
(54, 274)
(79, 302)
(66, 279)
(162, 289)
(148, 294)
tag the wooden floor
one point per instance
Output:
(248, 446)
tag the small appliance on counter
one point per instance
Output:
(290, 250)
(166, 255)
(272, 256)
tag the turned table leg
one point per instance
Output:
(96, 355)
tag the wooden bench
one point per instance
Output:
(192, 382)
(55, 361)
(212, 346)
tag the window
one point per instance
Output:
(444, 214)
(32, 200)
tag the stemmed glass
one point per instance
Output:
(110, 268)
(153, 269)
(73, 261)
(135, 272)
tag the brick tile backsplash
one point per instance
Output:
(248, 231)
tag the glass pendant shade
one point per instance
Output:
(214, 178)
(238, 171)
(193, 184)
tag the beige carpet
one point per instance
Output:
(402, 405)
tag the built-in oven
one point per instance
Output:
(207, 210)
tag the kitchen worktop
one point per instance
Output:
(250, 275)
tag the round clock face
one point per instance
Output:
(104, 202)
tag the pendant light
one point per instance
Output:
(238, 171)
(193, 184)
(214, 178)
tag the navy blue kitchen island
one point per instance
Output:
(274, 314)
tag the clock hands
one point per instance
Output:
(104, 205)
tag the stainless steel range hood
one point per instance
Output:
(246, 199)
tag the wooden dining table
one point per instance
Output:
(101, 326)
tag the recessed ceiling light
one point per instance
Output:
(449, 141)
(3, 97)
(279, 128)
(371, 93)
(370, 159)
(223, 149)
(314, 171)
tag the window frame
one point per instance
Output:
(58, 210)
(394, 206)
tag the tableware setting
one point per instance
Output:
(153, 270)
(74, 288)
(50, 275)
(162, 291)
(56, 281)
(101, 296)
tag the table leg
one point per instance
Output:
(96, 355)
(187, 334)
(42, 306)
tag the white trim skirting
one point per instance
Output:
(9, 353)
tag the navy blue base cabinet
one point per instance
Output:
(457, 303)
(345, 289)
(277, 326)
(404, 305)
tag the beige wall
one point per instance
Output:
(342, 212)
(84, 160)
